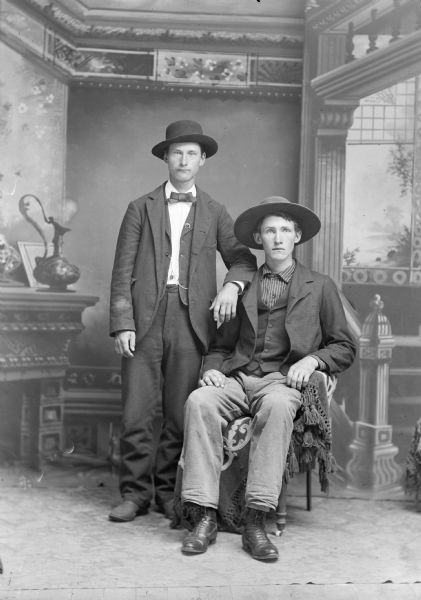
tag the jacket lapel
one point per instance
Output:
(155, 208)
(167, 222)
(300, 285)
(201, 226)
(250, 301)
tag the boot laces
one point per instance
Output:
(200, 527)
(258, 532)
(256, 517)
(255, 525)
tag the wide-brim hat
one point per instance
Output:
(246, 224)
(185, 131)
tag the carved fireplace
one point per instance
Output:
(36, 329)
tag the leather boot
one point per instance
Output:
(127, 511)
(203, 533)
(255, 539)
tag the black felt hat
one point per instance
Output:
(185, 131)
(246, 224)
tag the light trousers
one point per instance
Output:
(272, 406)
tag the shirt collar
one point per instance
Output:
(285, 275)
(170, 188)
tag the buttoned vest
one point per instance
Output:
(185, 251)
(272, 342)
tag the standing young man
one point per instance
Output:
(290, 322)
(162, 302)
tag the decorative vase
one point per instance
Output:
(55, 270)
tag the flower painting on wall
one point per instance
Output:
(204, 68)
(32, 135)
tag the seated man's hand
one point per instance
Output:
(224, 305)
(125, 343)
(212, 377)
(299, 373)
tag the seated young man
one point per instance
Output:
(290, 322)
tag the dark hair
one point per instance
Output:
(282, 214)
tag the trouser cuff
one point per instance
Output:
(256, 505)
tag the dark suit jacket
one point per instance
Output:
(139, 273)
(315, 324)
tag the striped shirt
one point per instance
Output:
(274, 285)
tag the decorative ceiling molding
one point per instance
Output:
(266, 93)
(322, 15)
(155, 67)
(217, 8)
(335, 16)
(372, 73)
(87, 27)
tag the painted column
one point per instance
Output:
(330, 153)
(323, 137)
(372, 466)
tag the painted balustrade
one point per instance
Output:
(372, 467)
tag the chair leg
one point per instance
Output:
(308, 486)
(281, 510)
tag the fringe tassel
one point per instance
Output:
(308, 439)
(413, 464)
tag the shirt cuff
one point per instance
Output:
(239, 284)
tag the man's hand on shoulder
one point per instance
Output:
(299, 373)
(125, 343)
(224, 305)
(212, 377)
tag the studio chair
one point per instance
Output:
(311, 444)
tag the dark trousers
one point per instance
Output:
(165, 368)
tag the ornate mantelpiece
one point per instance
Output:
(36, 328)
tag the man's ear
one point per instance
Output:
(257, 237)
(165, 157)
(298, 235)
(202, 159)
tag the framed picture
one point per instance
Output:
(29, 251)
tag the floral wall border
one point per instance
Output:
(274, 76)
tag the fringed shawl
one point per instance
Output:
(413, 465)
